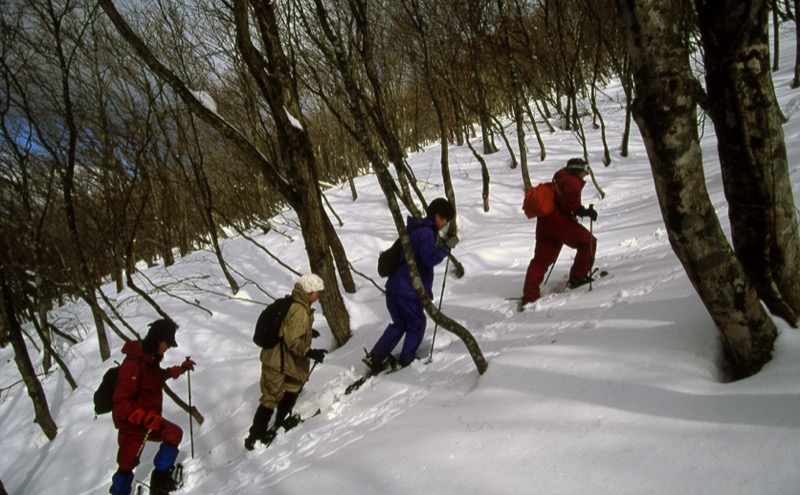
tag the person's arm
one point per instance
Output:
(427, 252)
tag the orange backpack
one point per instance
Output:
(540, 200)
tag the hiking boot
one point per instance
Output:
(259, 428)
(375, 364)
(162, 482)
(576, 282)
(291, 421)
(405, 362)
(266, 439)
(522, 303)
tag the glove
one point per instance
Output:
(137, 416)
(175, 371)
(592, 213)
(451, 242)
(317, 355)
(584, 212)
(314, 333)
(188, 365)
(152, 421)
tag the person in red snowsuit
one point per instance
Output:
(138, 398)
(562, 227)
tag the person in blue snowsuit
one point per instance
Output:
(405, 308)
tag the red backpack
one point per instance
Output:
(540, 200)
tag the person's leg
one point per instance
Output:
(161, 479)
(121, 483)
(130, 444)
(272, 392)
(393, 333)
(545, 253)
(578, 237)
(292, 389)
(258, 430)
(413, 314)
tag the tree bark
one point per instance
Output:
(752, 149)
(665, 109)
(23, 361)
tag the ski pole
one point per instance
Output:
(591, 244)
(548, 273)
(141, 447)
(191, 429)
(311, 370)
(441, 297)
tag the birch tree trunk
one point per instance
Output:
(665, 109)
(752, 150)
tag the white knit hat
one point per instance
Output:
(311, 283)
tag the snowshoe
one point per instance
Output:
(375, 367)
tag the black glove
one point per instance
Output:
(584, 212)
(317, 355)
(314, 333)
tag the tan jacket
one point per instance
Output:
(296, 334)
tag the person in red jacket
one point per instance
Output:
(138, 398)
(562, 227)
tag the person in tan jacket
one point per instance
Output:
(285, 367)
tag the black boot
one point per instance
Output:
(285, 409)
(258, 431)
(375, 364)
(162, 482)
(576, 282)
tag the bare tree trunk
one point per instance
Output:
(776, 32)
(666, 113)
(752, 150)
(339, 256)
(43, 330)
(26, 369)
(627, 85)
(484, 175)
(796, 78)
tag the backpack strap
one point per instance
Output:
(281, 342)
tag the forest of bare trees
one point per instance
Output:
(130, 131)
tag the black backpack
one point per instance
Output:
(268, 326)
(104, 395)
(389, 261)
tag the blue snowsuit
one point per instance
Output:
(405, 309)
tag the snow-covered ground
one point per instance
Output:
(613, 391)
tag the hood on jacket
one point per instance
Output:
(133, 349)
(413, 224)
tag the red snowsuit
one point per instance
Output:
(559, 228)
(139, 385)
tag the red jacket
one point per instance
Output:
(139, 385)
(568, 200)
